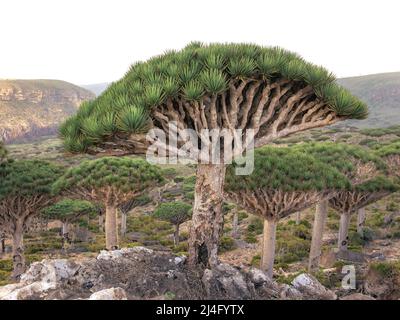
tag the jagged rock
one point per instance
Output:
(225, 281)
(142, 273)
(357, 296)
(311, 289)
(109, 294)
(290, 293)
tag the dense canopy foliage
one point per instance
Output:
(286, 169)
(189, 75)
(344, 157)
(69, 210)
(389, 149)
(174, 212)
(27, 177)
(124, 174)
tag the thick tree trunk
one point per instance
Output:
(101, 223)
(361, 221)
(268, 248)
(111, 228)
(321, 213)
(298, 217)
(3, 243)
(18, 252)
(65, 234)
(343, 239)
(235, 225)
(207, 220)
(123, 224)
(176, 235)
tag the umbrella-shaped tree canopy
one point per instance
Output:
(25, 188)
(240, 85)
(391, 155)
(111, 181)
(284, 181)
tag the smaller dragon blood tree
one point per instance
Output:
(356, 163)
(390, 153)
(350, 201)
(283, 182)
(110, 181)
(69, 211)
(25, 188)
(176, 213)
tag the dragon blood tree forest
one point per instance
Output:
(115, 198)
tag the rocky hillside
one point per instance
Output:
(33, 108)
(382, 94)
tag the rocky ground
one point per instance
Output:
(142, 273)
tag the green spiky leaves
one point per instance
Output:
(133, 119)
(213, 81)
(190, 74)
(27, 178)
(69, 210)
(123, 174)
(288, 170)
(174, 212)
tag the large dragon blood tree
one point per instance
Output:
(283, 182)
(356, 163)
(268, 92)
(110, 181)
(25, 188)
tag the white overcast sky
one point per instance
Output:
(91, 41)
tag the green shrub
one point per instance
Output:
(256, 260)
(250, 237)
(179, 179)
(256, 225)
(242, 215)
(169, 173)
(387, 269)
(226, 244)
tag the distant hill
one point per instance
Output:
(382, 94)
(96, 88)
(33, 108)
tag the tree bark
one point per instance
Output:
(235, 225)
(321, 214)
(361, 221)
(111, 227)
(268, 248)
(343, 239)
(101, 223)
(207, 220)
(18, 251)
(176, 235)
(123, 224)
(64, 233)
(298, 217)
(3, 243)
